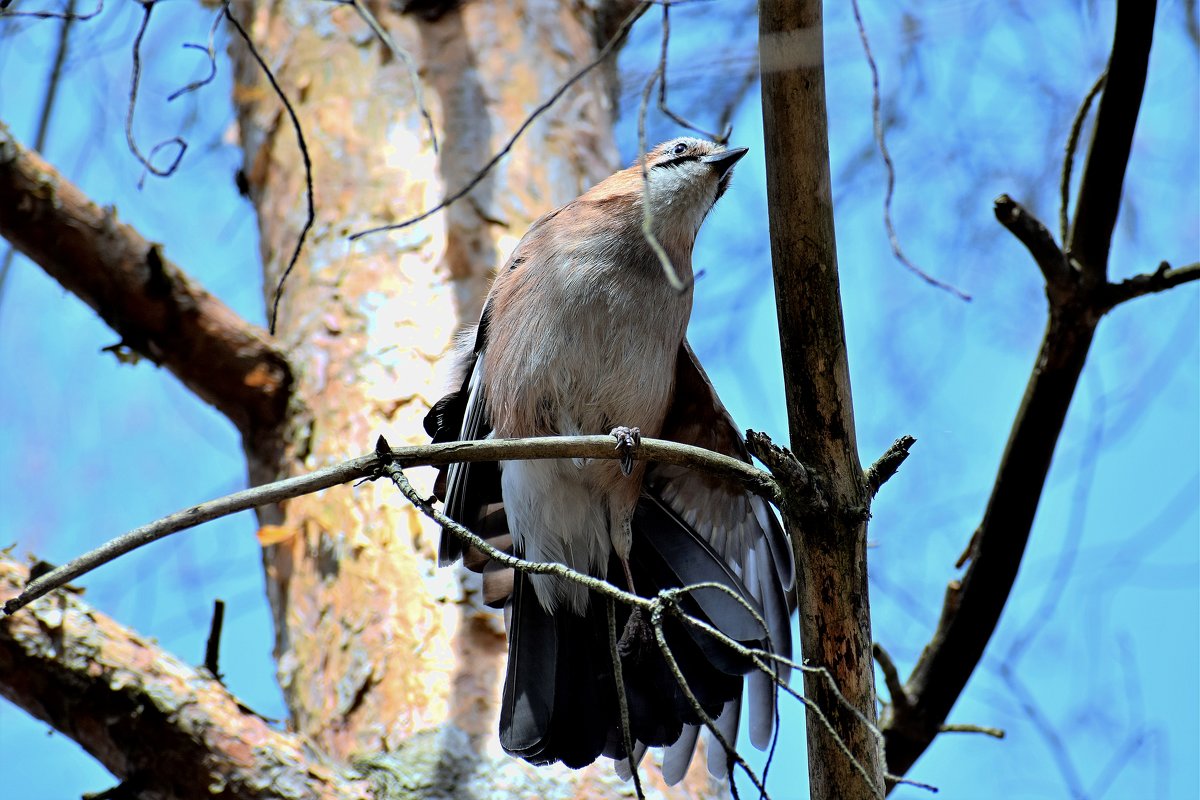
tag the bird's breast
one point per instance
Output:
(592, 349)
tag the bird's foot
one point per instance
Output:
(628, 440)
(637, 640)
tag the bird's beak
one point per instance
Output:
(723, 161)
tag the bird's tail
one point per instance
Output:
(560, 695)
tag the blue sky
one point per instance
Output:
(1099, 647)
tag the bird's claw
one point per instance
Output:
(628, 440)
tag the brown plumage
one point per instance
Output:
(582, 333)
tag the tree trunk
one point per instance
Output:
(374, 642)
(831, 555)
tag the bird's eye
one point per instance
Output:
(679, 149)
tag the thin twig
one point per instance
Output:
(660, 253)
(148, 167)
(721, 138)
(962, 727)
(394, 472)
(759, 659)
(601, 56)
(890, 167)
(1160, 280)
(367, 465)
(731, 752)
(622, 700)
(414, 75)
(929, 787)
(1064, 183)
(891, 678)
(1045, 728)
(209, 50)
(308, 180)
(749, 77)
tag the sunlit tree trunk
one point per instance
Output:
(375, 642)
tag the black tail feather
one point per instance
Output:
(560, 699)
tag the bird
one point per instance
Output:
(582, 332)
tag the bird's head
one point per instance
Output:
(686, 177)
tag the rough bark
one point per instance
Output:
(835, 627)
(374, 642)
(167, 730)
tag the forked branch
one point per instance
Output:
(1079, 295)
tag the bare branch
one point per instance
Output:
(155, 307)
(891, 677)
(887, 465)
(145, 715)
(1037, 240)
(962, 727)
(1112, 138)
(1160, 280)
(368, 466)
(973, 604)
(831, 561)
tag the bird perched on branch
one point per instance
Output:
(583, 333)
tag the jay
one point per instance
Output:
(582, 333)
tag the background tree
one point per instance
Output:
(339, 335)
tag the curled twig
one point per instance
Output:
(177, 141)
(209, 50)
(890, 168)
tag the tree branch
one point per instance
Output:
(887, 465)
(368, 466)
(1037, 239)
(158, 311)
(1112, 137)
(973, 605)
(154, 722)
(1160, 280)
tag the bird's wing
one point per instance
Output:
(467, 489)
(737, 524)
